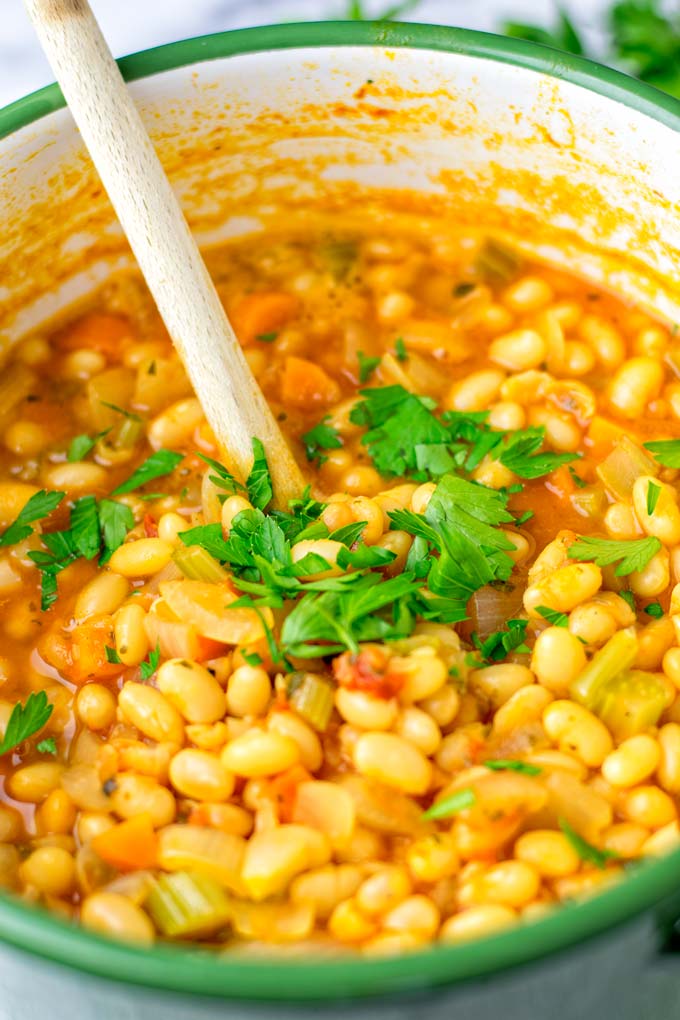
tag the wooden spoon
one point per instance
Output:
(160, 238)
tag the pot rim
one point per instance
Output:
(291, 980)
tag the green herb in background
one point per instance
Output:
(562, 37)
(356, 11)
(642, 40)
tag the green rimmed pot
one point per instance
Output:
(355, 123)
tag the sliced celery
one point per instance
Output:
(128, 434)
(590, 501)
(312, 697)
(497, 261)
(186, 904)
(630, 703)
(339, 256)
(624, 465)
(612, 659)
(197, 564)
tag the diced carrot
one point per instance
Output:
(97, 331)
(283, 790)
(306, 385)
(259, 315)
(130, 845)
(89, 641)
(602, 434)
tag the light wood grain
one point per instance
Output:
(160, 238)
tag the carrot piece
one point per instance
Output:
(97, 331)
(283, 790)
(258, 315)
(561, 482)
(306, 385)
(130, 845)
(89, 642)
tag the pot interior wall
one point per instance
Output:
(351, 134)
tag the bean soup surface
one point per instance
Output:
(437, 695)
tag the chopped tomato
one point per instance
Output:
(369, 671)
(150, 526)
(307, 386)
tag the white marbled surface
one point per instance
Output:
(132, 25)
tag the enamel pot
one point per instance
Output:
(400, 126)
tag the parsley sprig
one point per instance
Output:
(38, 506)
(25, 720)
(405, 437)
(630, 554)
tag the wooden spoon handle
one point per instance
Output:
(160, 238)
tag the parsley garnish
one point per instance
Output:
(631, 555)
(554, 618)
(405, 437)
(512, 765)
(367, 366)
(628, 597)
(259, 483)
(62, 552)
(653, 493)
(321, 437)
(665, 451)
(38, 506)
(115, 520)
(85, 529)
(579, 482)
(80, 446)
(150, 664)
(400, 352)
(497, 646)
(112, 655)
(222, 478)
(267, 338)
(121, 410)
(160, 463)
(586, 851)
(462, 522)
(252, 658)
(397, 423)
(448, 806)
(47, 746)
(655, 610)
(26, 720)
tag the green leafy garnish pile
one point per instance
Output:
(96, 527)
(405, 438)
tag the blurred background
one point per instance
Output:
(640, 36)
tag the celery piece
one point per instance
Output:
(630, 703)
(127, 434)
(197, 564)
(186, 904)
(497, 261)
(612, 659)
(624, 465)
(590, 501)
(312, 697)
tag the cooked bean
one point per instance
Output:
(192, 689)
(260, 753)
(151, 712)
(391, 760)
(114, 915)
